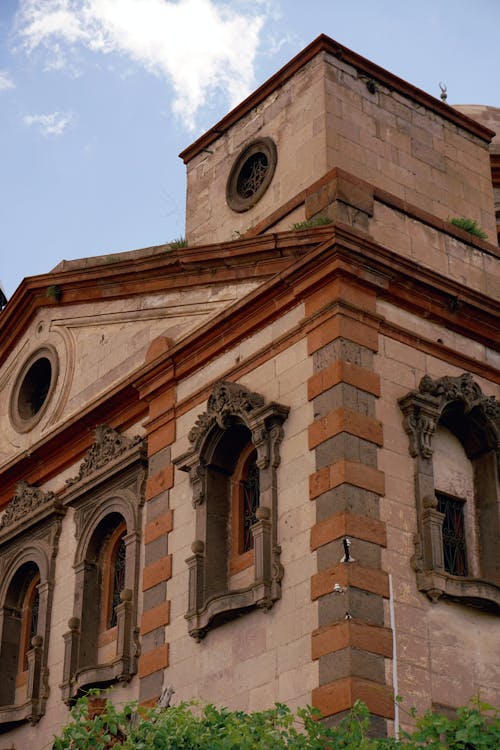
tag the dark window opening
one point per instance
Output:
(454, 547)
(34, 615)
(252, 175)
(32, 624)
(35, 388)
(250, 495)
(118, 578)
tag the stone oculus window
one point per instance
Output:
(232, 465)
(251, 174)
(101, 645)
(29, 532)
(454, 434)
(33, 388)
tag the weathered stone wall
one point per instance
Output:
(381, 136)
(400, 146)
(453, 258)
(294, 117)
(446, 652)
(259, 658)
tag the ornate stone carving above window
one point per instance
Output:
(108, 495)
(108, 446)
(29, 535)
(458, 405)
(26, 501)
(235, 418)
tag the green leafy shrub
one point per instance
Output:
(191, 727)
(469, 225)
(316, 221)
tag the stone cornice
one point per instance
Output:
(338, 250)
(146, 272)
(343, 180)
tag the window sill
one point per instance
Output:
(100, 675)
(228, 605)
(471, 591)
(31, 711)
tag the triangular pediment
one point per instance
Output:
(87, 325)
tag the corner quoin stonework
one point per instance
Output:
(351, 643)
(159, 392)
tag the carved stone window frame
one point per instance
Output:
(29, 534)
(231, 407)
(460, 405)
(110, 483)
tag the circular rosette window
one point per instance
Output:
(33, 388)
(251, 174)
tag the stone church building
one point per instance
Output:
(265, 466)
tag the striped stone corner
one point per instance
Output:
(352, 642)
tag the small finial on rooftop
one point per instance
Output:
(444, 91)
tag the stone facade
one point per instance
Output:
(352, 362)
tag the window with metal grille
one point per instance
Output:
(454, 545)
(250, 498)
(118, 578)
(29, 622)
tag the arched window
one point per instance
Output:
(233, 465)
(454, 432)
(113, 563)
(29, 531)
(29, 619)
(245, 496)
(454, 490)
(101, 645)
(102, 634)
(19, 627)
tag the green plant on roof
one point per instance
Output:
(469, 225)
(54, 292)
(178, 243)
(316, 221)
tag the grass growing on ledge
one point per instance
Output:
(178, 243)
(469, 225)
(316, 221)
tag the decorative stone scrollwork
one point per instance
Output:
(228, 400)
(25, 501)
(234, 418)
(423, 408)
(459, 404)
(108, 445)
(462, 388)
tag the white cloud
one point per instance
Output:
(6, 81)
(201, 46)
(53, 124)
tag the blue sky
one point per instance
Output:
(97, 98)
